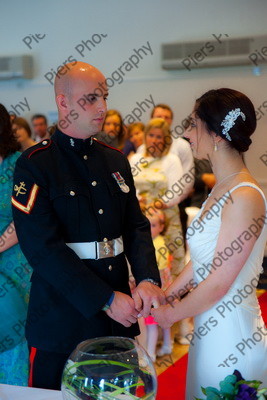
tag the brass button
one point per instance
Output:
(72, 193)
(100, 211)
(94, 183)
(110, 267)
(85, 157)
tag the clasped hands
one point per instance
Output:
(126, 310)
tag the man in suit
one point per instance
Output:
(77, 217)
(39, 124)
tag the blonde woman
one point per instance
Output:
(157, 174)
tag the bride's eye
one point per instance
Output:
(190, 123)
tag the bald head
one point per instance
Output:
(81, 96)
(76, 75)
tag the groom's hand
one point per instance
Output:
(123, 310)
(146, 295)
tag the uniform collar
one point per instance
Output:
(70, 142)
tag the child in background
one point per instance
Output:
(135, 133)
(157, 223)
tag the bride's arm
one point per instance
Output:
(181, 285)
(236, 235)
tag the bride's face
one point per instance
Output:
(201, 141)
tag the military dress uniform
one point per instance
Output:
(77, 216)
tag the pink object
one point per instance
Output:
(150, 320)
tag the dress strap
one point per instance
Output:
(224, 197)
(252, 185)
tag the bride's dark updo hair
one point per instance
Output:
(212, 108)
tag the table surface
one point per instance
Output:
(9, 392)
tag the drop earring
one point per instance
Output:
(215, 146)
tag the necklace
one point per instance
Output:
(228, 176)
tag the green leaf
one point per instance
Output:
(203, 390)
(211, 390)
(213, 396)
(253, 384)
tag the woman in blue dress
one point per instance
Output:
(15, 272)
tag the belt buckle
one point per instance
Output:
(104, 249)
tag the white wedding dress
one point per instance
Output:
(230, 335)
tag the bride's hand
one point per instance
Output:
(163, 316)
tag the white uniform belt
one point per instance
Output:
(97, 250)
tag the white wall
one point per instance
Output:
(129, 25)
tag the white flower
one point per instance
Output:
(229, 121)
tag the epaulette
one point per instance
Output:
(44, 144)
(104, 144)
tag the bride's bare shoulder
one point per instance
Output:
(248, 200)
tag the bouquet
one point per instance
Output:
(234, 387)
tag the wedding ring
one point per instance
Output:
(155, 304)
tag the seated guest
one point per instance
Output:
(113, 131)
(39, 124)
(135, 133)
(22, 132)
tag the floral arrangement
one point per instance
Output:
(234, 387)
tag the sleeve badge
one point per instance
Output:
(23, 198)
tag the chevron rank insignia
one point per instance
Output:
(23, 197)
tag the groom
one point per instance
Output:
(77, 217)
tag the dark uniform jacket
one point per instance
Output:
(64, 192)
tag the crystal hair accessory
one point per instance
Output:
(229, 121)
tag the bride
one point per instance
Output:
(226, 240)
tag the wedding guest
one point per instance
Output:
(14, 270)
(113, 131)
(181, 148)
(157, 225)
(156, 171)
(135, 133)
(22, 132)
(154, 176)
(39, 125)
(226, 257)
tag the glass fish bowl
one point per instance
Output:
(109, 368)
